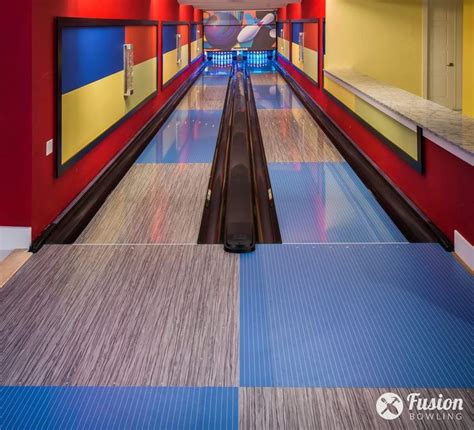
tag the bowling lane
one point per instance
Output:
(161, 198)
(319, 198)
(289, 133)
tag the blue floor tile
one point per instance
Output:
(327, 203)
(188, 136)
(119, 408)
(355, 316)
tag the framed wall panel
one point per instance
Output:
(284, 39)
(176, 50)
(305, 47)
(197, 40)
(106, 70)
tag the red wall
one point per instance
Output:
(198, 15)
(51, 195)
(440, 193)
(15, 116)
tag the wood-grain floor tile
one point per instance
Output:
(122, 315)
(341, 408)
(154, 203)
(291, 135)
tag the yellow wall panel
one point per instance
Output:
(195, 53)
(284, 47)
(89, 111)
(468, 59)
(171, 67)
(344, 96)
(310, 64)
(382, 39)
(295, 49)
(144, 83)
(398, 134)
(401, 136)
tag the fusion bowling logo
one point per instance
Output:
(390, 406)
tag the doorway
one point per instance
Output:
(444, 62)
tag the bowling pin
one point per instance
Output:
(248, 33)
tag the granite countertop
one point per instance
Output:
(451, 126)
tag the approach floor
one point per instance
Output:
(308, 334)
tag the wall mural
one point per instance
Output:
(106, 70)
(246, 29)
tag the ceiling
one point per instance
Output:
(237, 4)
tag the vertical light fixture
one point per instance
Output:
(301, 47)
(178, 49)
(128, 64)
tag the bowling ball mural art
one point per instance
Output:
(221, 31)
(248, 30)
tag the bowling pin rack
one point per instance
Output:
(253, 58)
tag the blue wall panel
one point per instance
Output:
(194, 32)
(296, 29)
(169, 37)
(90, 54)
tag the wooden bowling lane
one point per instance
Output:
(208, 93)
(339, 408)
(291, 135)
(268, 79)
(146, 315)
(154, 203)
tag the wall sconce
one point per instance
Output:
(128, 64)
(178, 49)
(301, 47)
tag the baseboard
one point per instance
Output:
(15, 238)
(464, 250)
